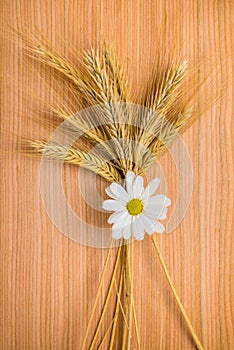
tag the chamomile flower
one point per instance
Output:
(136, 210)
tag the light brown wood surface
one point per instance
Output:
(48, 282)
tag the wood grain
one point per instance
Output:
(48, 282)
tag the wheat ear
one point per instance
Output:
(166, 135)
(74, 156)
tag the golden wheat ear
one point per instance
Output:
(47, 55)
(71, 155)
(175, 99)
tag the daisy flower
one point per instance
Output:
(136, 209)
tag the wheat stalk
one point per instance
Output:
(106, 90)
(160, 96)
(57, 62)
(165, 137)
(73, 156)
(180, 305)
(172, 80)
(118, 77)
(85, 86)
(80, 127)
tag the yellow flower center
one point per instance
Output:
(134, 206)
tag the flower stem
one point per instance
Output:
(186, 319)
(97, 296)
(106, 334)
(131, 295)
(126, 297)
(117, 307)
(132, 305)
(107, 298)
(136, 326)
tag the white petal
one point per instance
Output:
(138, 228)
(151, 188)
(153, 211)
(111, 194)
(122, 221)
(141, 237)
(158, 227)
(117, 234)
(127, 232)
(138, 187)
(130, 176)
(148, 223)
(159, 199)
(119, 191)
(163, 214)
(116, 216)
(112, 205)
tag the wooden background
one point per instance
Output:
(48, 282)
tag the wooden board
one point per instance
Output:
(48, 282)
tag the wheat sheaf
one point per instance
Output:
(124, 140)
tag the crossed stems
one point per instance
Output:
(126, 306)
